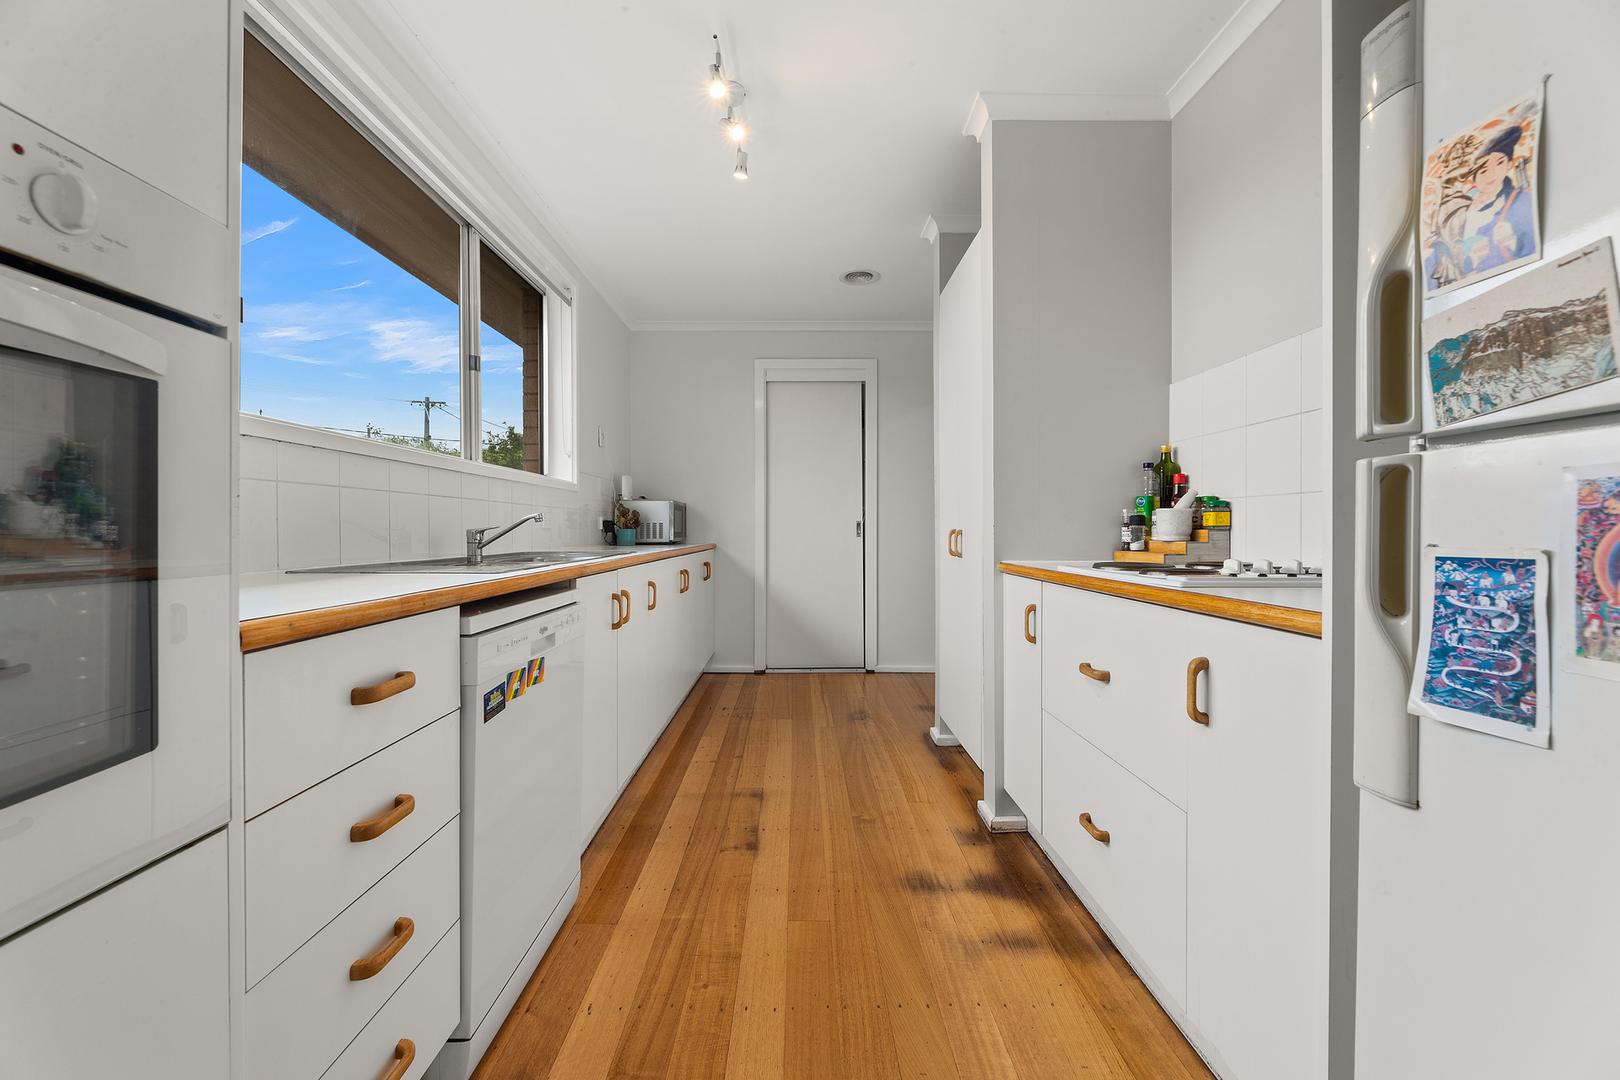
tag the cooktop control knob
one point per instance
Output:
(65, 202)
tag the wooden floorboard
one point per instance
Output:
(796, 884)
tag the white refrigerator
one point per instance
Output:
(1487, 942)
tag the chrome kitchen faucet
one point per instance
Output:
(477, 541)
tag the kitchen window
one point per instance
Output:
(370, 309)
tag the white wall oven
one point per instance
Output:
(116, 414)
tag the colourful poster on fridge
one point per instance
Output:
(1482, 656)
(1591, 597)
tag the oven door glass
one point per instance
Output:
(78, 571)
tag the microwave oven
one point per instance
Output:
(663, 521)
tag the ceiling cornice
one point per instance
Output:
(1227, 40)
(784, 326)
(949, 223)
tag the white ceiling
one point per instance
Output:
(856, 111)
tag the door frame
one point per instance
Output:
(865, 373)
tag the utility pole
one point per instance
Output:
(428, 405)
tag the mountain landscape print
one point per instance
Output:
(1544, 333)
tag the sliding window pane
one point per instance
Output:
(511, 332)
(350, 275)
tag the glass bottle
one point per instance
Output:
(1164, 475)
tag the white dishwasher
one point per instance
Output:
(521, 732)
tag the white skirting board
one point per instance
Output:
(1005, 823)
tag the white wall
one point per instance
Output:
(692, 408)
(1246, 198)
(315, 499)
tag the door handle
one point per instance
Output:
(652, 595)
(950, 543)
(626, 594)
(686, 580)
(1095, 674)
(404, 1054)
(1099, 835)
(618, 617)
(1195, 668)
(1029, 625)
(373, 963)
(371, 828)
(708, 569)
(370, 695)
(959, 536)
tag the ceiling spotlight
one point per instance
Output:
(859, 277)
(718, 88)
(741, 171)
(736, 130)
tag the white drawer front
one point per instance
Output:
(299, 1018)
(300, 726)
(1139, 877)
(423, 1012)
(302, 866)
(1138, 716)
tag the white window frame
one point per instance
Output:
(865, 373)
(331, 67)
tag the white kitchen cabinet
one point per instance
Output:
(1022, 631)
(132, 983)
(1214, 872)
(963, 546)
(1256, 850)
(600, 782)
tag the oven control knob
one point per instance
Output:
(65, 202)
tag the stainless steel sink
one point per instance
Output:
(505, 563)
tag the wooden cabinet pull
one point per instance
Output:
(404, 1054)
(371, 828)
(370, 695)
(618, 618)
(708, 569)
(1196, 666)
(625, 593)
(1095, 673)
(652, 595)
(1099, 835)
(367, 966)
(1029, 625)
(686, 580)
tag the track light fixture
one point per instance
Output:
(722, 90)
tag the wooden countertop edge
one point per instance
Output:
(273, 630)
(1273, 616)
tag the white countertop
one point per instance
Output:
(1303, 596)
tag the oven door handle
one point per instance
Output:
(32, 308)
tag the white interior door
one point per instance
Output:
(815, 560)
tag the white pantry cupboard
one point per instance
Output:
(1173, 764)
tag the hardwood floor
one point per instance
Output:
(796, 884)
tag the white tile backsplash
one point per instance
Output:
(305, 506)
(1250, 431)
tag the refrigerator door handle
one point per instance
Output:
(1388, 201)
(1386, 735)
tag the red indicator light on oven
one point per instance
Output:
(16, 148)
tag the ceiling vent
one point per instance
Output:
(859, 277)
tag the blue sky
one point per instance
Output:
(336, 336)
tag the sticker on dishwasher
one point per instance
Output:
(513, 686)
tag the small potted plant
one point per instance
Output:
(625, 523)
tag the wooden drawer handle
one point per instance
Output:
(1194, 668)
(626, 594)
(1099, 835)
(367, 966)
(652, 596)
(618, 617)
(371, 828)
(1029, 624)
(686, 580)
(1095, 673)
(370, 695)
(708, 569)
(404, 1054)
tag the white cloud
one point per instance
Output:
(267, 229)
(356, 285)
(418, 344)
